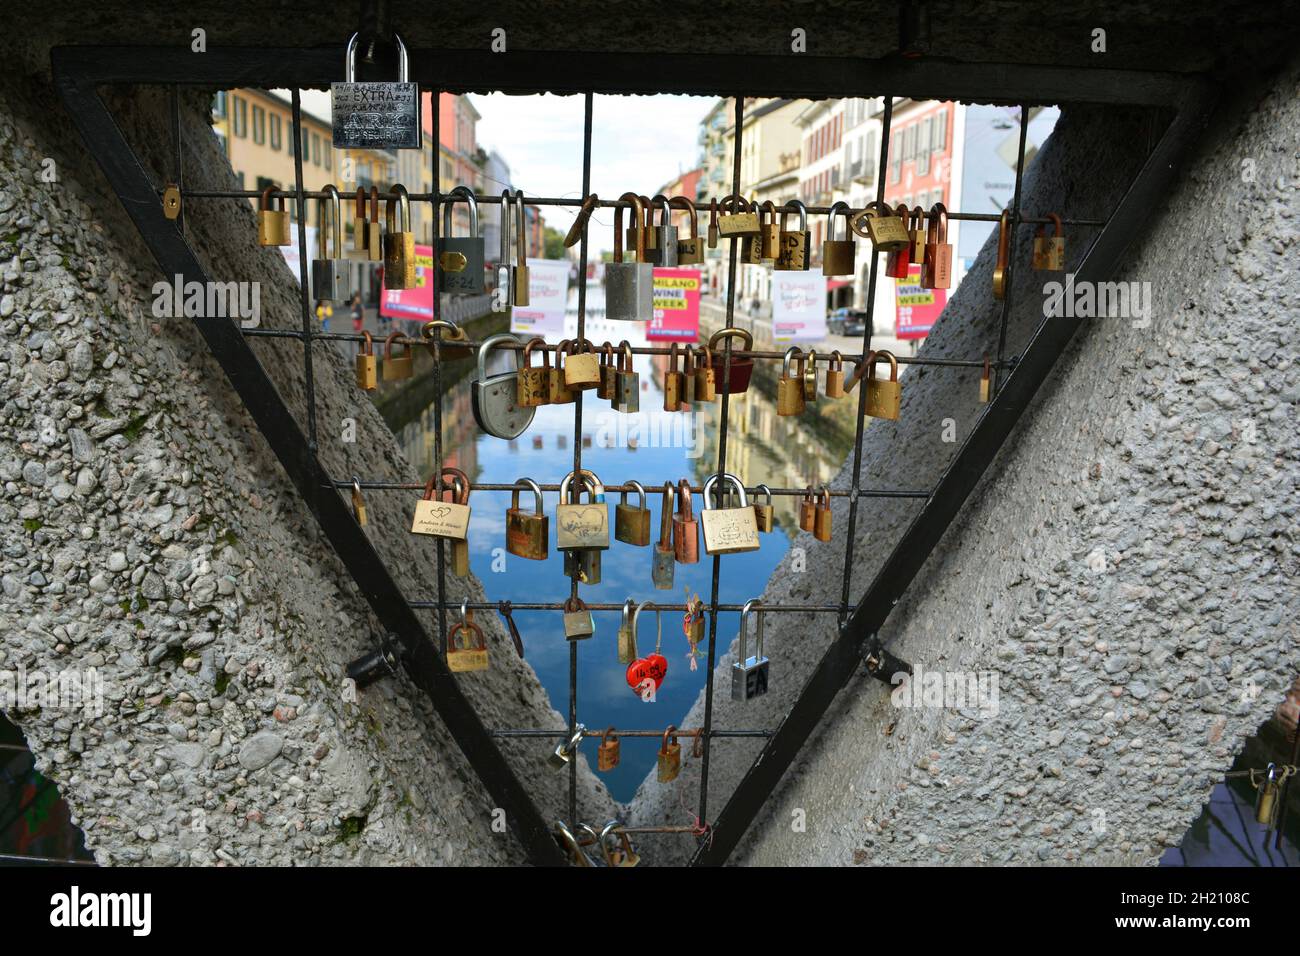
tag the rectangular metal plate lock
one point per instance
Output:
(375, 115)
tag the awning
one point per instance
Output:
(832, 284)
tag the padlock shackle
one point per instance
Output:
(745, 611)
(801, 209)
(666, 517)
(368, 346)
(683, 202)
(729, 478)
(521, 483)
(640, 217)
(885, 355)
(766, 490)
(430, 489)
(491, 342)
(336, 221)
(790, 353)
(660, 200)
(684, 499)
(843, 209)
(388, 345)
(876, 209)
(426, 332)
(264, 202)
(521, 232)
(636, 617)
(729, 334)
(1004, 238)
(374, 204)
(670, 732)
(536, 342)
(628, 606)
(938, 221)
(402, 204)
(350, 60)
(639, 489)
(733, 204)
(836, 362)
(503, 254)
(460, 192)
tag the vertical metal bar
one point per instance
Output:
(885, 124)
(1013, 223)
(577, 448)
(440, 557)
(304, 286)
(722, 467)
(178, 165)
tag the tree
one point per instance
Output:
(552, 243)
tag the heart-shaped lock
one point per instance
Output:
(652, 667)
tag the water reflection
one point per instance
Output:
(651, 447)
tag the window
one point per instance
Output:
(941, 130)
(275, 132)
(315, 148)
(240, 119)
(259, 125)
(219, 104)
(329, 154)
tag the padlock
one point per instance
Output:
(807, 510)
(674, 382)
(565, 750)
(467, 648)
(749, 672)
(469, 280)
(441, 518)
(329, 273)
(560, 393)
(878, 223)
(1004, 253)
(760, 248)
(839, 256)
(494, 399)
(375, 115)
(789, 389)
(1267, 803)
(664, 557)
(810, 378)
(397, 366)
(519, 277)
(898, 261)
(764, 512)
(171, 201)
(883, 397)
(665, 235)
(793, 251)
(1049, 251)
(374, 237)
(567, 841)
(505, 280)
(632, 522)
(358, 502)
(822, 516)
(729, 530)
(367, 364)
(738, 218)
(670, 756)
(608, 387)
(651, 236)
(582, 526)
(651, 670)
(936, 267)
(399, 242)
(535, 381)
(835, 375)
(607, 752)
(360, 224)
(582, 366)
(917, 231)
(616, 846)
(272, 224)
(627, 381)
(686, 534)
(578, 625)
(690, 247)
(584, 566)
(770, 232)
(713, 224)
(527, 533)
(626, 636)
(458, 560)
(986, 382)
(742, 368)
(688, 377)
(706, 376)
(442, 345)
(629, 286)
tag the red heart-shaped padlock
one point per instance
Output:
(653, 667)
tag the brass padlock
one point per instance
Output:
(651, 239)
(738, 218)
(839, 256)
(936, 266)
(673, 382)
(917, 229)
(608, 387)
(272, 224)
(578, 625)
(686, 532)
(706, 376)
(444, 519)
(792, 247)
(397, 366)
(883, 397)
(729, 530)
(878, 223)
(986, 382)
(442, 345)
(620, 853)
(467, 648)
(535, 381)
(374, 238)
(1049, 251)
(810, 377)
(527, 533)
(670, 756)
(757, 250)
(367, 365)
(835, 375)
(1004, 253)
(808, 510)
(898, 260)
(360, 227)
(458, 561)
(607, 752)
(690, 248)
(519, 278)
(559, 393)
(399, 243)
(582, 526)
(713, 224)
(627, 652)
(664, 557)
(632, 522)
(358, 502)
(769, 232)
(1267, 804)
(789, 390)
(764, 512)
(171, 201)
(582, 366)
(688, 377)
(822, 516)
(627, 381)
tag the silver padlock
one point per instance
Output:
(494, 398)
(565, 751)
(505, 264)
(749, 674)
(375, 115)
(629, 286)
(470, 280)
(665, 250)
(329, 274)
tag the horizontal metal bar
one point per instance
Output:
(650, 487)
(609, 606)
(631, 733)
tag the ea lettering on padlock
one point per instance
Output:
(690, 247)
(470, 280)
(792, 254)
(664, 557)
(375, 115)
(527, 533)
(397, 366)
(749, 673)
(632, 522)
(839, 256)
(494, 399)
(399, 243)
(789, 389)
(581, 526)
(936, 267)
(878, 223)
(329, 273)
(627, 381)
(629, 286)
(367, 364)
(729, 530)
(442, 518)
(272, 223)
(883, 397)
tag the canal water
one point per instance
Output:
(651, 447)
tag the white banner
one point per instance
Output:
(548, 291)
(798, 306)
(290, 252)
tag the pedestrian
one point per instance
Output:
(358, 313)
(323, 313)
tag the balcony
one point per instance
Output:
(862, 172)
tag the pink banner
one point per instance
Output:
(414, 303)
(677, 306)
(917, 309)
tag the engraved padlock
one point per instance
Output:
(793, 246)
(534, 388)
(738, 219)
(439, 517)
(749, 673)
(470, 279)
(878, 222)
(375, 115)
(527, 533)
(582, 526)
(729, 530)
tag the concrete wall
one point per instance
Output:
(1169, 447)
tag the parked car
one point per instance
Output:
(846, 322)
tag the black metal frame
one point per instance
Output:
(80, 71)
